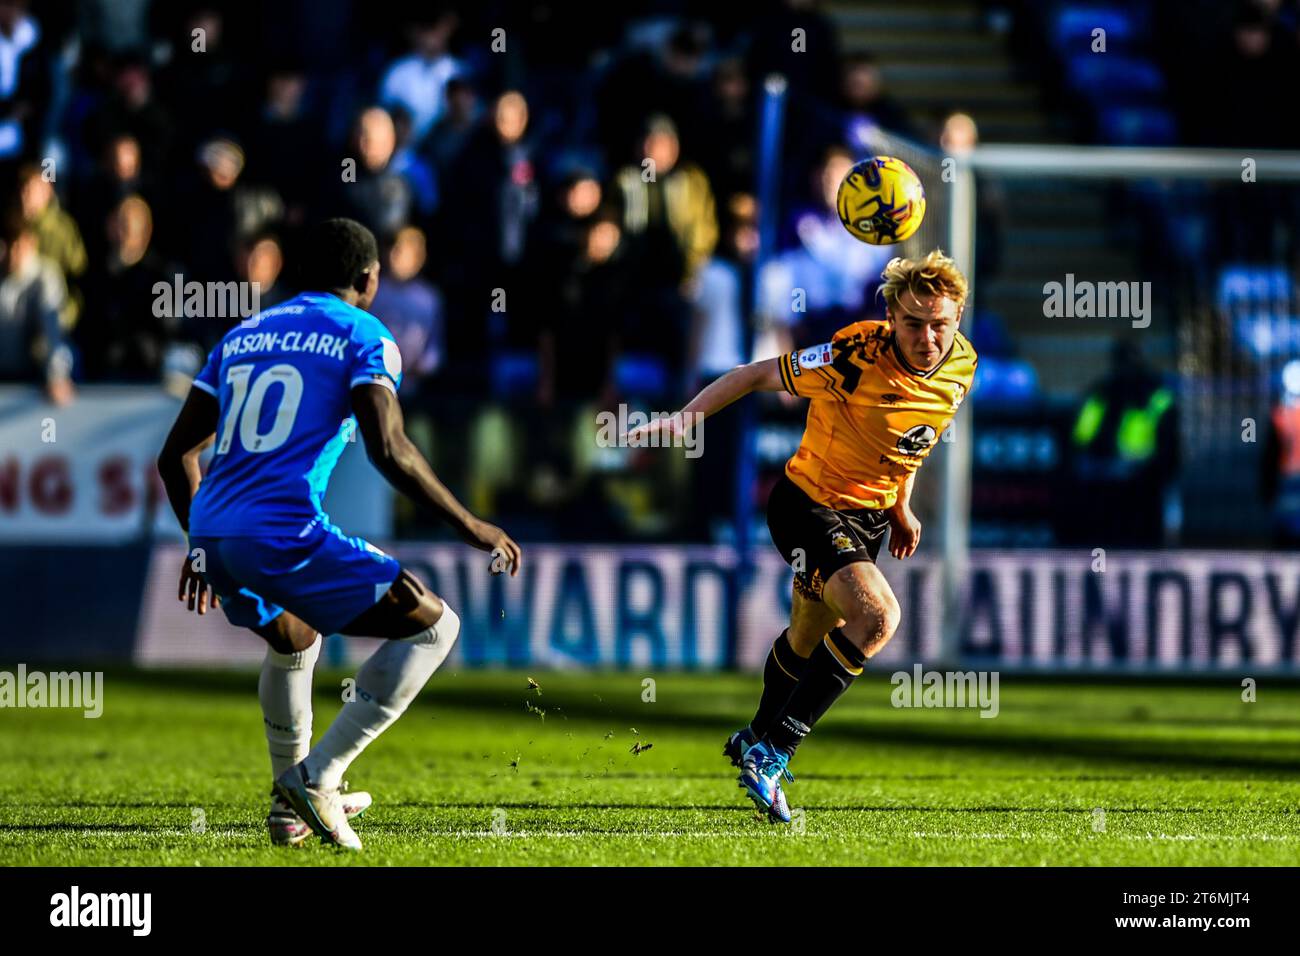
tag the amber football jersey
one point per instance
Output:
(873, 417)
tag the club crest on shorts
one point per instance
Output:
(916, 439)
(842, 543)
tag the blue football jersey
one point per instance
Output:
(283, 380)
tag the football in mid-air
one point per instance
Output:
(881, 201)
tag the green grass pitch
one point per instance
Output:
(175, 773)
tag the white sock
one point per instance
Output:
(386, 685)
(284, 688)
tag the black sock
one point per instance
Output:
(780, 675)
(833, 666)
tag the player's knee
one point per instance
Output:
(887, 613)
(442, 633)
(429, 608)
(438, 608)
(414, 600)
(288, 635)
(280, 643)
(873, 620)
(891, 613)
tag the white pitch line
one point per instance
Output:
(1116, 836)
(877, 837)
(774, 831)
(158, 832)
(587, 834)
(781, 832)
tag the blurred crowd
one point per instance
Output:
(579, 191)
(566, 204)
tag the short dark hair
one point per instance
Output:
(336, 254)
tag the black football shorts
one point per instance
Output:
(817, 541)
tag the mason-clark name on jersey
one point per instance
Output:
(332, 345)
(814, 357)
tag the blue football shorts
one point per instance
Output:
(324, 577)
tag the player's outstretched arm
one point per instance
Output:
(764, 376)
(178, 466)
(178, 462)
(383, 429)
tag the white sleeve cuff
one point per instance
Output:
(205, 387)
(383, 380)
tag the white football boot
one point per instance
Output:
(322, 810)
(289, 829)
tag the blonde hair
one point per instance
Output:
(935, 274)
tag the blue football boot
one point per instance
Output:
(760, 776)
(736, 745)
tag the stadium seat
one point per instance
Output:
(1264, 335)
(988, 333)
(1137, 126)
(1006, 381)
(1250, 288)
(515, 374)
(1072, 27)
(1114, 77)
(1259, 302)
(644, 376)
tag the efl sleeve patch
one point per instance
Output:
(815, 357)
